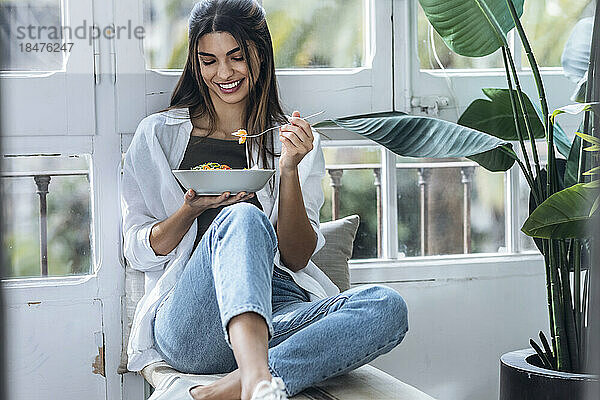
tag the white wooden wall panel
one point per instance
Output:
(52, 347)
(463, 315)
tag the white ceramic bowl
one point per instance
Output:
(215, 182)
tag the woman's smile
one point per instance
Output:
(230, 87)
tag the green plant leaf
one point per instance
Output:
(417, 136)
(595, 206)
(560, 137)
(564, 215)
(576, 109)
(572, 168)
(499, 159)
(495, 116)
(576, 53)
(593, 171)
(588, 138)
(578, 94)
(471, 27)
(592, 185)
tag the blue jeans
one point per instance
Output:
(231, 271)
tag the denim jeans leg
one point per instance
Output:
(317, 340)
(243, 245)
(228, 274)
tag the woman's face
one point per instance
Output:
(223, 67)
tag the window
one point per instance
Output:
(340, 65)
(166, 26)
(448, 207)
(47, 67)
(311, 33)
(446, 94)
(561, 15)
(434, 54)
(351, 187)
(317, 33)
(23, 23)
(444, 207)
(47, 215)
(538, 15)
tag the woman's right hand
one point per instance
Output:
(199, 203)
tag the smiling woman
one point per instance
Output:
(215, 292)
(237, 83)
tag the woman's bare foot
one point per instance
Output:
(249, 382)
(230, 387)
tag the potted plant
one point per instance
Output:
(563, 195)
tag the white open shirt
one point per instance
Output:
(151, 194)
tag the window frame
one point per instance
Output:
(411, 82)
(68, 105)
(82, 149)
(364, 89)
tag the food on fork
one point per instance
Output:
(242, 133)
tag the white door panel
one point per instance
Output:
(54, 349)
(53, 105)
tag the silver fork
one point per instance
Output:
(277, 126)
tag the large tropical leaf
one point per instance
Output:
(576, 109)
(576, 54)
(495, 116)
(579, 92)
(499, 159)
(471, 27)
(417, 136)
(564, 215)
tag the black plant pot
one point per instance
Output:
(523, 378)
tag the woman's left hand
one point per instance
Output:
(296, 138)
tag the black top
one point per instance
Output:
(201, 150)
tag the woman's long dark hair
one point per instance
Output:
(245, 21)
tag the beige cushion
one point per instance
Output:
(332, 259)
(134, 290)
(364, 383)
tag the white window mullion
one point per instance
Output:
(405, 34)
(389, 201)
(511, 210)
(381, 52)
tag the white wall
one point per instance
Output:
(462, 318)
